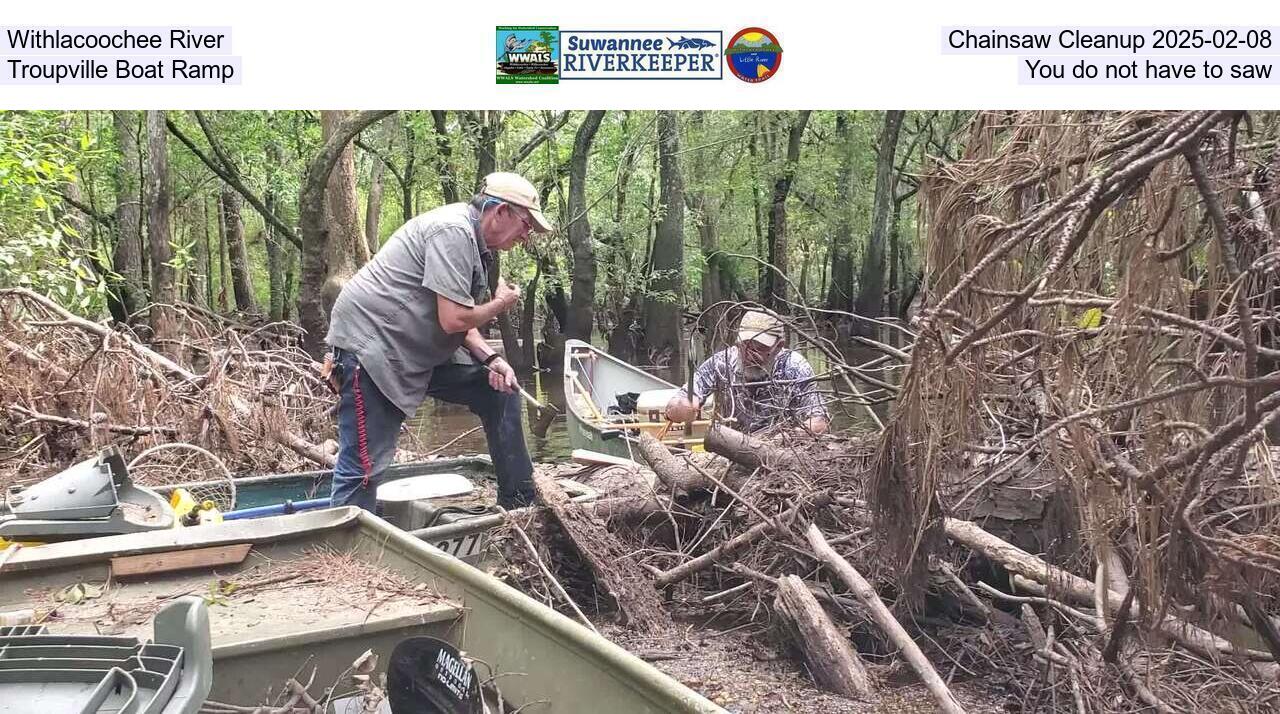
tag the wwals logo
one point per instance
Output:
(528, 54)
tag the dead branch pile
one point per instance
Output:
(765, 541)
(1100, 312)
(1096, 358)
(69, 386)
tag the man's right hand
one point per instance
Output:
(680, 409)
(506, 293)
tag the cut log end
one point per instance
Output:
(832, 661)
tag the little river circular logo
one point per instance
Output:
(753, 55)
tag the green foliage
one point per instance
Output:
(78, 593)
(1090, 319)
(729, 162)
(220, 592)
(40, 246)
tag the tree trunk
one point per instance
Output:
(189, 278)
(744, 449)
(348, 250)
(716, 273)
(484, 128)
(583, 298)
(802, 284)
(410, 168)
(373, 207)
(528, 305)
(776, 292)
(224, 275)
(870, 300)
(278, 251)
(752, 149)
(506, 327)
(292, 300)
(315, 230)
(208, 254)
(704, 217)
(198, 271)
(275, 266)
(895, 261)
(880, 614)
(615, 574)
(840, 296)
(233, 229)
(665, 301)
(707, 239)
(556, 301)
(127, 285)
(669, 469)
(616, 282)
(159, 201)
(444, 158)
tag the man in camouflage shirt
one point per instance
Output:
(757, 381)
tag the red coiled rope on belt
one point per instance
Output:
(361, 434)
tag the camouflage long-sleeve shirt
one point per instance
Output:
(789, 395)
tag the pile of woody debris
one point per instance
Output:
(1074, 498)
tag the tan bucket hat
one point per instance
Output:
(515, 189)
(761, 327)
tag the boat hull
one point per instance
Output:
(593, 381)
(258, 643)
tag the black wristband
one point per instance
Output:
(489, 360)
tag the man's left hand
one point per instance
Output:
(502, 377)
(817, 425)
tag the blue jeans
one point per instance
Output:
(368, 425)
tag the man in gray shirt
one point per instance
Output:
(399, 320)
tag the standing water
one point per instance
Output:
(437, 423)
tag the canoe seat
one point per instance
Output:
(583, 404)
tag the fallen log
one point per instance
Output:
(669, 468)
(32, 415)
(616, 574)
(623, 508)
(832, 661)
(305, 449)
(866, 594)
(733, 545)
(743, 449)
(1057, 580)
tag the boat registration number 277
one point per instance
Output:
(464, 546)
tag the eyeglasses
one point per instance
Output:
(528, 227)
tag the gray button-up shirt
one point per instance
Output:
(386, 314)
